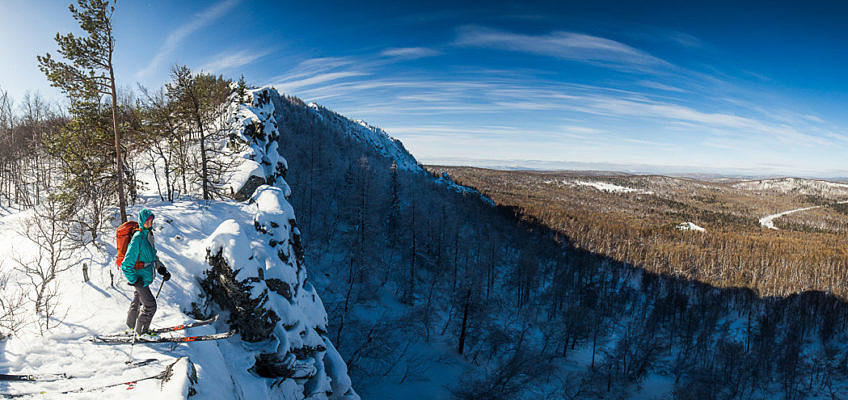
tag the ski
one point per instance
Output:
(61, 376)
(129, 386)
(170, 328)
(185, 326)
(33, 378)
(141, 363)
(128, 339)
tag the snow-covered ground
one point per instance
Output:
(186, 231)
(609, 187)
(96, 307)
(690, 226)
(768, 220)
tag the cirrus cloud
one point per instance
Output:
(564, 45)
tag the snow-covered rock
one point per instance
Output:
(258, 274)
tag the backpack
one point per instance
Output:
(124, 234)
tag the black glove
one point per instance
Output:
(164, 272)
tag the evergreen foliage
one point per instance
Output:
(88, 74)
(247, 313)
(198, 100)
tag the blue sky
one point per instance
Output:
(708, 86)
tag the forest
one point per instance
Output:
(533, 312)
(809, 252)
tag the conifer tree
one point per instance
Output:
(88, 73)
(197, 100)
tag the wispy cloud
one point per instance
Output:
(228, 60)
(685, 39)
(410, 52)
(195, 23)
(297, 84)
(660, 86)
(316, 72)
(564, 45)
(582, 130)
(507, 113)
(669, 111)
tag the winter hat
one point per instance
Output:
(143, 215)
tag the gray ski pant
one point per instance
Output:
(143, 297)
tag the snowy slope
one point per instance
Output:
(797, 185)
(446, 180)
(371, 136)
(258, 239)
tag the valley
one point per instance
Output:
(778, 236)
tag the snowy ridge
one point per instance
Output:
(371, 136)
(798, 185)
(266, 252)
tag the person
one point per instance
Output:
(141, 248)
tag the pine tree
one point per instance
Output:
(197, 100)
(89, 73)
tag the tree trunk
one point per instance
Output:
(464, 322)
(119, 165)
(411, 298)
(203, 170)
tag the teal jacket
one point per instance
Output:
(140, 249)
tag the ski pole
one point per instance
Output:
(160, 289)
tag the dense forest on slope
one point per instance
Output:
(417, 271)
(640, 226)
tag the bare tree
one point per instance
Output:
(12, 302)
(51, 238)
